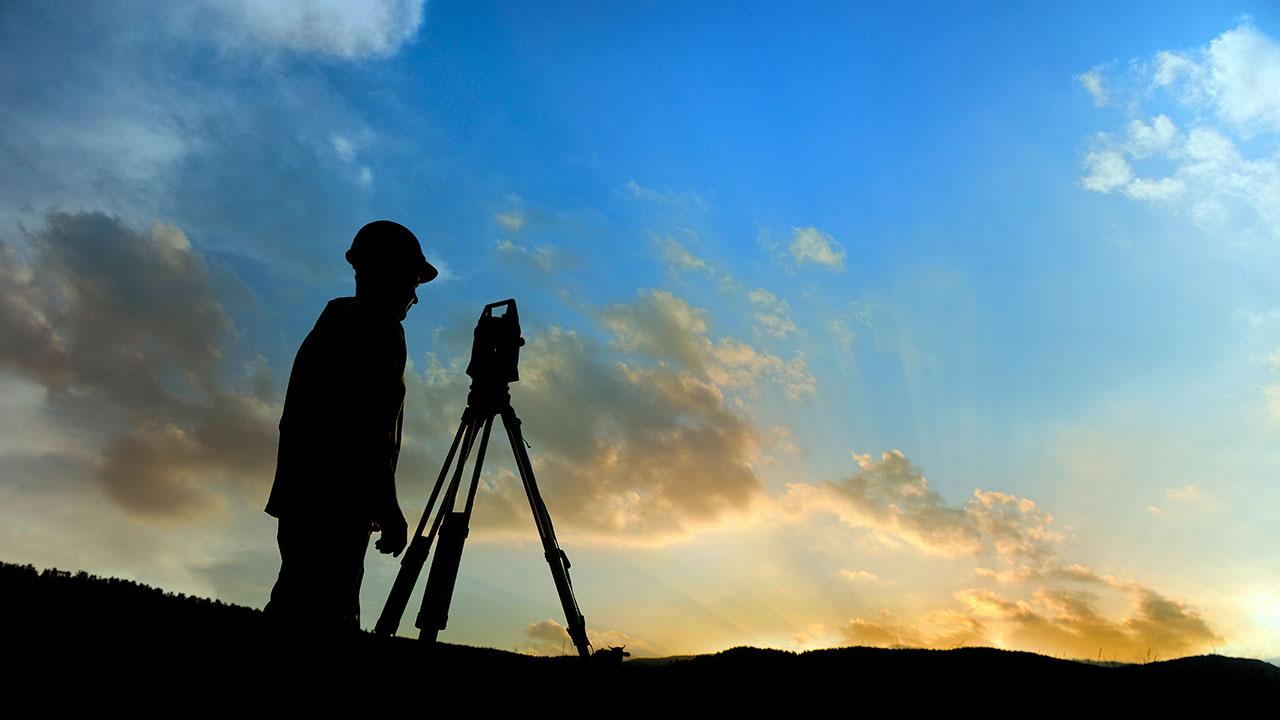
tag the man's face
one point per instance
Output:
(392, 288)
(405, 294)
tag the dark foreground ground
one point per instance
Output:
(76, 637)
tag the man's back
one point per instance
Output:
(340, 430)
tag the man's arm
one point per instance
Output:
(377, 417)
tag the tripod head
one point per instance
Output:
(495, 355)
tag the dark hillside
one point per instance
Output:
(112, 631)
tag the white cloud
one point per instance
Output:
(1162, 189)
(270, 148)
(772, 314)
(347, 149)
(544, 258)
(1237, 76)
(344, 147)
(811, 246)
(512, 220)
(1271, 395)
(678, 258)
(855, 325)
(1188, 493)
(1092, 83)
(678, 200)
(1146, 140)
(1170, 67)
(1107, 171)
(326, 27)
(1223, 180)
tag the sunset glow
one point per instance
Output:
(926, 326)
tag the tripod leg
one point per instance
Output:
(416, 555)
(556, 558)
(434, 614)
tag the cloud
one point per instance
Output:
(1161, 190)
(1052, 621)
(677, 200)
(549, 638)
(662, 326)
(890, 496)
(1092, 83)
(1189, 493)
(867, 320)
(347, 150)
(1237, 76)
(1067, 622)
(124, 329)
(880, 634)
(326, 27)
(772, 314)
(1271, 391)
(644, 450)
(1107, 171)
(266, 179)
(1188, 496)
(1222, 178)
(543, 259)
(1148, 139)
(678, 258)
(133, 119)
(512, 220)
(811, 246)
(861, 576)
(950, 630)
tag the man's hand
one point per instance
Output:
(394, 534)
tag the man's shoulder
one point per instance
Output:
(341, 307)
(354, 314)
(349, 319)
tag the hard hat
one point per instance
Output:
(386, 244)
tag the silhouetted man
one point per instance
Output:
(340, 438)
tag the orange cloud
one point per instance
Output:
(950, 630)
(891, 497)
(625, 451)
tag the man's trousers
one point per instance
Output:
(317, 594)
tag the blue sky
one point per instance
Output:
(916, 325)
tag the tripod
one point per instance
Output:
(493, 366)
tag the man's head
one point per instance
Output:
(389, 265)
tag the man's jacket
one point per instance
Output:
(340, 431)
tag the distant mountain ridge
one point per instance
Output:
(115, 629)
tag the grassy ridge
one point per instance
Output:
(110, 630)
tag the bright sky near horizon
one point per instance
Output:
(924, 325)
